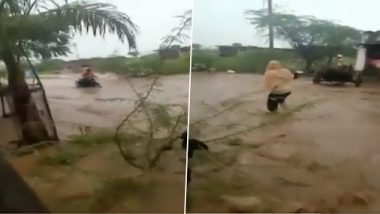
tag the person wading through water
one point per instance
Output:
(277, 81)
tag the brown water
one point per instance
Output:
(102, 181)
(103, 107)
(322, 157)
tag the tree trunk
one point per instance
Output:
(32, 127)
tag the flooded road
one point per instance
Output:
(321, 155)
(104, 107)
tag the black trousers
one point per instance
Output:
(275, 99)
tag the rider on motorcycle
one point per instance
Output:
(88, 74)
(88, 79)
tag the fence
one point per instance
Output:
(38, 103)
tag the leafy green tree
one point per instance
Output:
(44, 28)
(310, 37)
(196, 46)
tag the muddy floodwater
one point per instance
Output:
(321, 155)
(104, 107)
(93, 177)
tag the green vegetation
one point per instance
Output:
(99, 137)
(78, 146)
(127, 66)
(67, 156)
(50, 65)
(311, 38)
(254, 60)
(314, 46)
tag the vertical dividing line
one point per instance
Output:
(188, 106)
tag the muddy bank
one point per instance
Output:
(320, 156)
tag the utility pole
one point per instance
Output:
(270, 12)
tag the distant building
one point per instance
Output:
(368, 56)
(173, 52)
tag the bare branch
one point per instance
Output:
(178, 35)
(172, 139)
(148, 116)
(140, 104)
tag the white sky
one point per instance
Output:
(218, 22)
(155, 19)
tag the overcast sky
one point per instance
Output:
(155, 19)
(218, 22)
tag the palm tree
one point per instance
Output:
(43, 28)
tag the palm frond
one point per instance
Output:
(33, 28)
(46, 50)
(100, 18)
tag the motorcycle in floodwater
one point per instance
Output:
(87, 83)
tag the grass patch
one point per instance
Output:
(78, 146)
(100, 137)
(67, 156)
